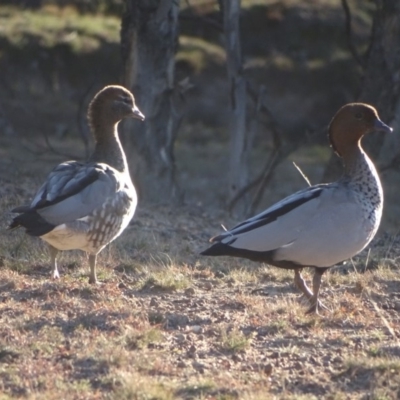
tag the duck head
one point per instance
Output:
(351, 123)
(111, 105)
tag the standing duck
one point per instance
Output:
(87, 205)
(322, 224)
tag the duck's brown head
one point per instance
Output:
(111, 105)
(351, 123)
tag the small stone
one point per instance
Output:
(298, 365)
(358, 344)
(197, 329)
(236, 357)
(219, 274)
(338, 360)
(192, 351)
(122, 286)
(326, 360)
(329, 370)
(326, 363)
(208, 285)
(153, 302)
(226, 364)
(181, 364)
(175, 321)
(268, 368)
(190, 291)
(314, 361)
(198, 367)
(180, 337)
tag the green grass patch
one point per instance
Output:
(142, 339)
(234, 341)
(50, 26)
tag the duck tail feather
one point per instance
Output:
(34, 224)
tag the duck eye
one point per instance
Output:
(359, 116)
(125, 99)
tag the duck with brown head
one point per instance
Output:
(87, 205)
(321, 225)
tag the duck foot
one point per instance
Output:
(316, 307)
(94, 281)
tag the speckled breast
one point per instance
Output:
(108, 221)
(368, 194)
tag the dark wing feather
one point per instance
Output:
(63, 183)
(274, 212)
(71, 191)
(34, 224)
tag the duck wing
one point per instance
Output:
(318, 226)
(71, 191)
(291, 209)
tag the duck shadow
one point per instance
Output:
(100, 320)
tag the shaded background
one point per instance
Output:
(54, 56)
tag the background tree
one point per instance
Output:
(149, 38)
(238, 162)
(381, 76)
(262, 94)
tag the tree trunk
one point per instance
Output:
(238, 171)
(149, 38)
(381, 82)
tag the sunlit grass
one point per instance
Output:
(198, 52)
(54, 25)
(234, 341)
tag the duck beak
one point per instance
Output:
(136, 113)
(382, 127)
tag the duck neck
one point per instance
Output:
(108, 148)
(361, 174)
(356, 162)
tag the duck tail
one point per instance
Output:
(34, 223)
(218, 249)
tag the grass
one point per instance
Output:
(146, 338)
(58, 25)
(198, 53)
(234, 341)
(143, 335)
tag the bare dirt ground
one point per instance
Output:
(169, 324)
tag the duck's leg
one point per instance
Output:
(315, 303)
(92, 263)
(300, 283)
(53, 258)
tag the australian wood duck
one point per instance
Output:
(87, 205)
(322, 224)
